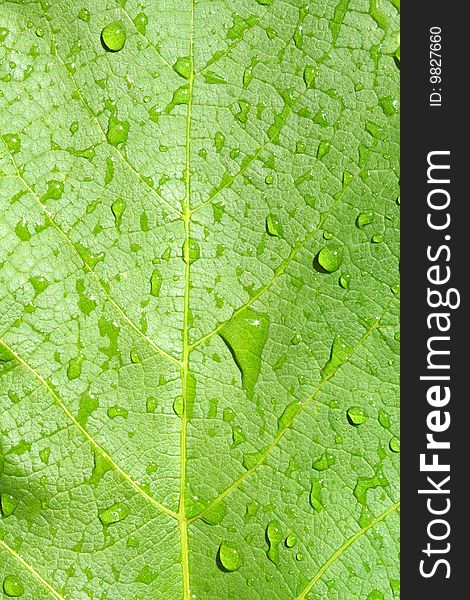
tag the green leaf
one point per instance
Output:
(199, 326)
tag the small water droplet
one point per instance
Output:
(273, 225)
(84, 15)
(323, 149)
(117, 131)
(345, 280)
(357, 415)
(310, 72)
(117, 411)
(325, 461)
(8, 504)
(394, 444)
(191, 250)
(114, 36)
(375, 595)
(13, 142)
(274, 537)
(329, 259)
(364, 218)
(12, 586)
(229, 557)
(183, 66)
(215, 514)
(377, 238)
(291, 540)
(384, 419)
(316, 500)
(118, 207)
(155, 283)
(113, 514)
(338, 355)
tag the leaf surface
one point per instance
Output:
(198, 299)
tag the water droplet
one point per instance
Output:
(74, 369)
(215, 514)
(12, 586)
(39, 32)
(364, 218)
(395, 289)
(155, 283)
(325, 461)
(229, 557)
(118, 207)
(3, 33)
(117, 132)
(178, 406)
(84, 15)
(183, 66)
(265, 2)
(190, 250)
(117, 411)
(242, 114)
(329, 259)
(288, 415)
(8, 504)
(180, 96)
(299, 556)
(345, 280)
(316, 500)
(273, 225)
(338, 355)
(113, 514)
(253, 459)
(146, 575)
(366, 483)
(13, 142)
(395, 585)
(310, 72)
(323, 148)
(357, 415)
(394, 444)
(384, 419)
(274, 537)
(377, 238)
(140, 21)
(39, 284)
(219, 140)
(251, 510)
(114, 36)
(269, 179)
(245, 335)
(389, 105)
(291, 540)
(44, 455)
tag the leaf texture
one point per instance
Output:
(198, 299)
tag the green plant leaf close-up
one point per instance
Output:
(199, 299)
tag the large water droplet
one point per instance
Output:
(229, 556)
(274, 537)
(245, 335)
(357, 415)
(329, 259)
(12, 586)
(114, 36)
(114, 514)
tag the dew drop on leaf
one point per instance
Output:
(245, 335)
(114, 514)
(330, 258)
(8, 504)
(315, 498)
(117, 131)
(215, 514)
(84, 15)
(291, 540)
(12, 586)
(190, 251)
(274, 538)
(183, 66)
(156, 283)
(344, 280)
(364, 218)
(13, 142)
(114, 36)
(118, 207)
(377, 238)
(356, 415)
(273, 225)
(117, 411)
(325, 461)
(384, 419)
(394, 444)
(375, 595)
(230, 558)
